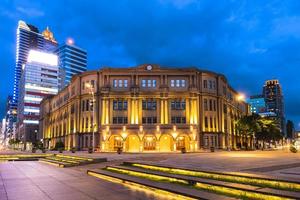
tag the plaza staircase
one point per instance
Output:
(61, 160)
(181, 183)
(23, 157)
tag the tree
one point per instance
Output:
(269, 131)
(248, 126)
(290, 129)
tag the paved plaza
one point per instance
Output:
(35, 180)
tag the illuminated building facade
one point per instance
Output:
(39, 79)
(257, 104)
(144, 108)
(273, 95)
(29, 37)
(72, 61)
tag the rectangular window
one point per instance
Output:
(215, 106)
(178, 105)
(211, 122)
(210, 84)
(115, 106)
(183, 120)
(114, 120)
(120, 105)
(172, 83)
(205, 105)
(87, 105)
(120, 120)
(154, 105)
(177, 83)
(173, 105)
(210, 105)
(125, 105)
(86, 123)
(205, 83)
(215, 120)
(120, 83)
(149, 84)
(143, 83)
(125, 83)
(83, 106)
(154, 120)
(173, 120)
(154, 83)
(206, 122)
(214, 85)
(115, 83)
(182, 83)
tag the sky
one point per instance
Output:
(247, 41)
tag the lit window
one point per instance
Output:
(172, 83)
(120, 83)
(177, 83)
(154, 83)
(125, 83)
(182, 83)
(149, 83)
(115, 83)
(143, 83)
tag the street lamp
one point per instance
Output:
(240, 97)
(91, 91)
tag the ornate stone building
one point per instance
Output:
(144, 108)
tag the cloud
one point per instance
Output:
(31, 12)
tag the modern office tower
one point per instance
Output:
(28, 37)
(273, 95)
(39, 79)
(72, 60)
(144, 109)
(257, 104)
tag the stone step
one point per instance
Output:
(56, 163)
(236, 174)
(62, 162)
(238, 186)
(172, 188)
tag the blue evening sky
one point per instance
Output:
(248, 41)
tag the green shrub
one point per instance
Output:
(59, 145)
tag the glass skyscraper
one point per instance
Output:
(72, 60)
(39, 79)
(28, 37)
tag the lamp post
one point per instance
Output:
(91, 91)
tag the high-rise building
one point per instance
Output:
(257, 104)
(273, 95)
(28, 37)
(39, 79)
(72, 60)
